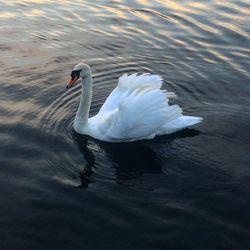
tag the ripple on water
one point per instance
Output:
(158, 188)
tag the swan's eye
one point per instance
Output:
(76, 73)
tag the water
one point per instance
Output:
(60, 190)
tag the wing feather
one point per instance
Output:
(136, 109)
(130, 83)
(139, 115)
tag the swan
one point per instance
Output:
(136, 109)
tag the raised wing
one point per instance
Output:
(140, 113)
(130, 83)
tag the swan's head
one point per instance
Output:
(81, 70)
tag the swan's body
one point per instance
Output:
(136, 109)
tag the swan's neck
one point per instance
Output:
(82, 115)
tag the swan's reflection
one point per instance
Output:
(86, 173)
(129, 161)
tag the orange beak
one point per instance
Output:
(72, 81)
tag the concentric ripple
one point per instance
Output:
(61, 190)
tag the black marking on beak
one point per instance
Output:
(75, 73)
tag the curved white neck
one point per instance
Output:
(82, 114)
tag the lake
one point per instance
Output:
(61, 190)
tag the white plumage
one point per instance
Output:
(136, 109)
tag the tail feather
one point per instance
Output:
(179, 123)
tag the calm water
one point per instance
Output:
(59, 190)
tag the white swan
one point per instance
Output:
(136, 109)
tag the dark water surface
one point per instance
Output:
(59, 190)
